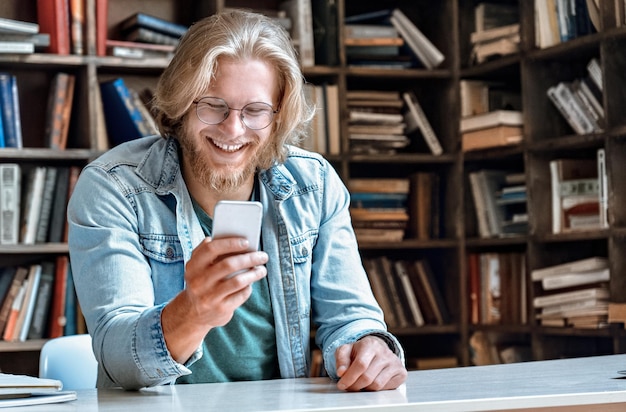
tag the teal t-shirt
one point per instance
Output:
(243, 349)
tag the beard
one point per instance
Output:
(225, 179)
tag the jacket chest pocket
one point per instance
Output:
(164, 254)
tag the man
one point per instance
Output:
(155, 288)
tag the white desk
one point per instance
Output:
(546, 385)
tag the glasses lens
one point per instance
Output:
(257, 115)
(211, 110)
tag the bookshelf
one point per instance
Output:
(448, 24)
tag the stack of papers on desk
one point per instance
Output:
(18, 390)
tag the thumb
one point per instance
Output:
(343, 358)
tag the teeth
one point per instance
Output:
(228, 147)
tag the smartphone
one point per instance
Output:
(238, 218)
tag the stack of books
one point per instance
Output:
(496, 31)
(579, 193)
(388, 38)
(379, 208)
(407, 291)
(125, 113)
(491, 115)
(573, 294)
(21, 37)
(376, 121)
(560, 21)
(140, 30)
(580, 101)
(499, 202)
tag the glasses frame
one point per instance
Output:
(241, 114)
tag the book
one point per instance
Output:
(603, 189)
(422, 205)
(16, 47)
(571, 296)
(491, 137)
(380, 291)
(568, 170)
(575, 279)
(58, 112)
(419, 118)
(142, 34)
(53, 18)
(102, 14)
(379, 185)
(45, 211)
(18, 26)
(570, 108)
(331, 99)
(364, 31)
(23, 390)
(491, 119)
(325, 32)
(10, 199)
(11, 118)
(423, 48)
(402, 272)
(31, 207)
(28, 304)
(484, 184)
(77, 26)
(300, 13)
(39, 322)
(386, 270)
(71, 305)
(39, 40)
(503, 46)
(57, 318)
(156, 24)
(123, 119)
(494, 33)
(10, 296)
(435, 298)
(580, 265)
(7, 274)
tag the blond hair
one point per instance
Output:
(234, 35)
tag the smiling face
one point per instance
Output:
(224, 157)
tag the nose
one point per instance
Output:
(234, 122)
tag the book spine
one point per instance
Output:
(32, 205)
(561, 97)
(156, 24)
(42, 303)
(57, 307)
(419, 43)
(46, 205)
(28, 306)
(10, 111)
(54, 118)
(101, 26)
(7, 303)
(10, 187)
(77, 26)
(53, 18)
(151, 36)
(603, 186)
(427, 131)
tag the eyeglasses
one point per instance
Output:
(214, 110)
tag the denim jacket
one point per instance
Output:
(132, 228)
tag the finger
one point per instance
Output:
(241, 264)
(342, 358)
(209, 250)
(361, 373)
